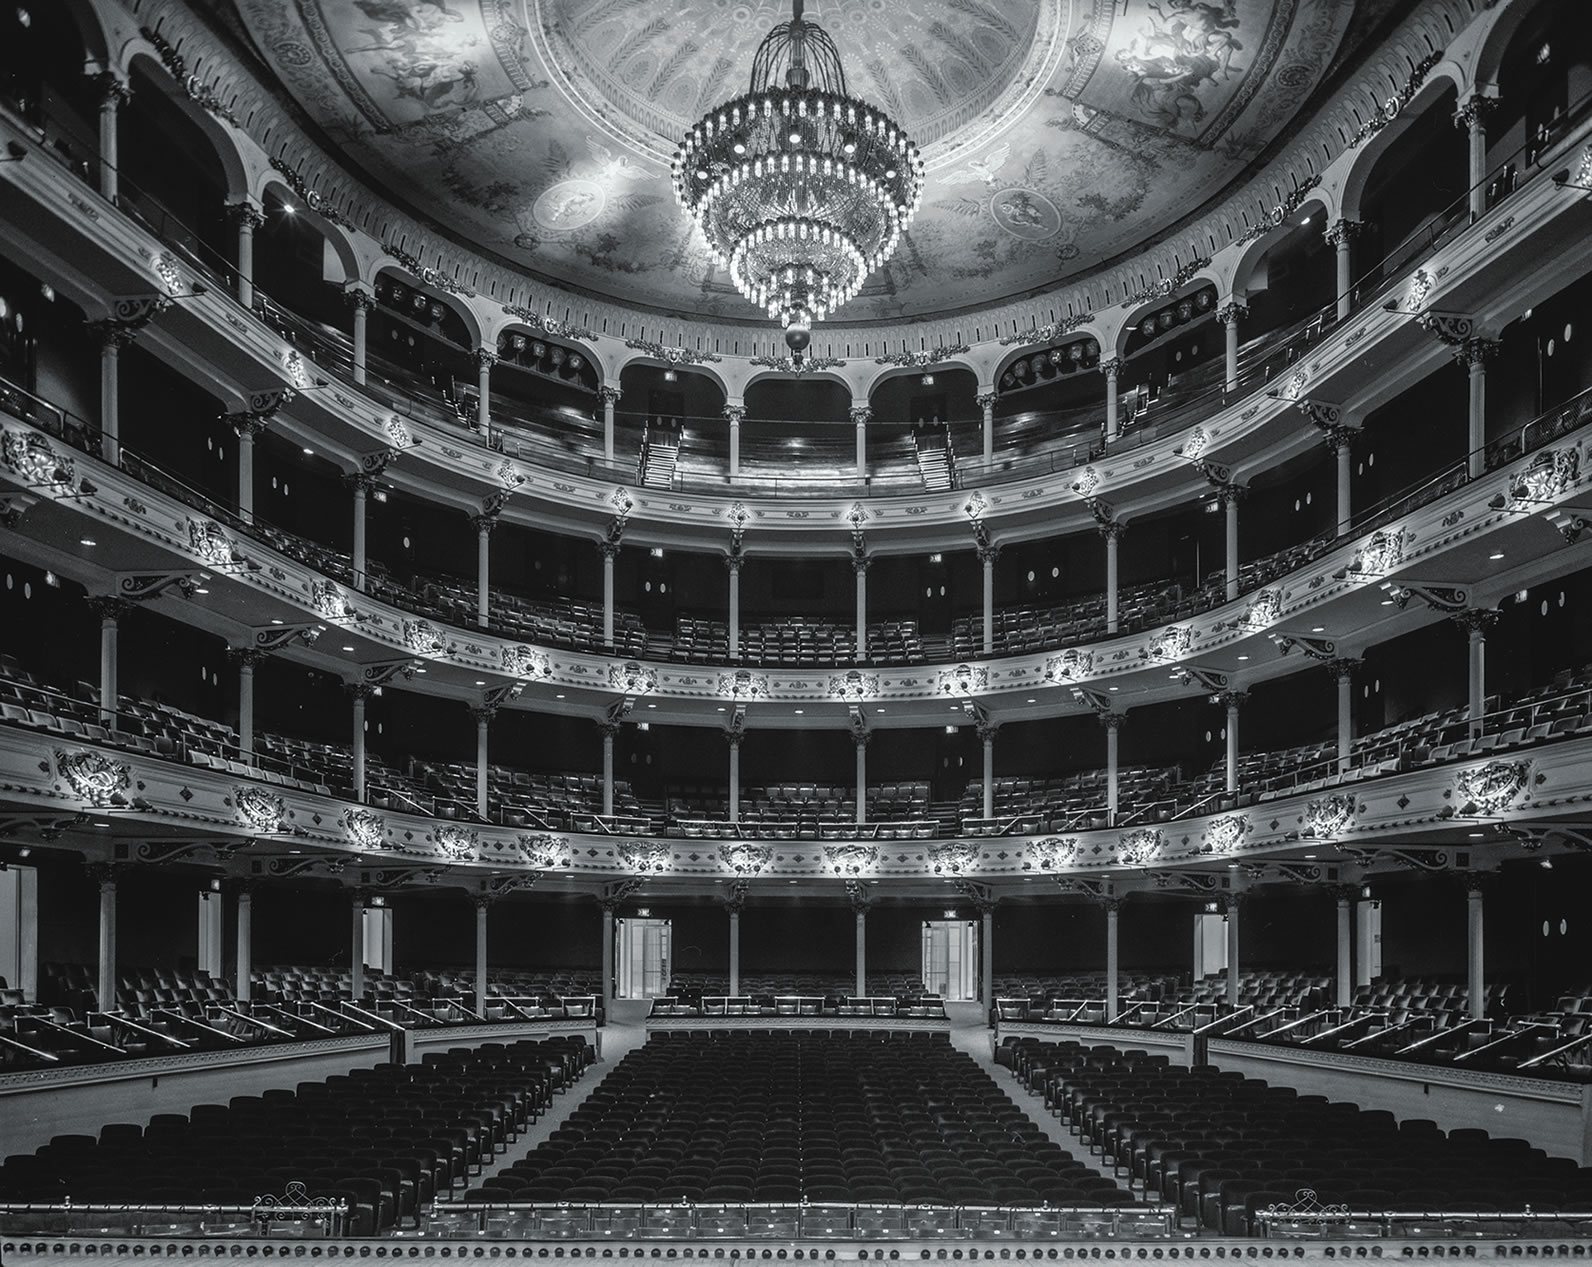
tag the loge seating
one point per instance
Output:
(794, 643)
(800, 1115)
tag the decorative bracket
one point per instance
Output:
(142, 586)
(1439, 597)
(1316, 648)
(275, 637)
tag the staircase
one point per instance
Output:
(660, 452)
(936, 459)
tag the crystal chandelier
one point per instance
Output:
(800, 189)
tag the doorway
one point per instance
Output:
(950, 959)
(643, 955)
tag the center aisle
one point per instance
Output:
(625, 1031)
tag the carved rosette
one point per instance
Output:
(851, 860)
(461, 844)
(853, 686)
(1050, 855)
(964, 679)
(1328, 815)
(744, 858)
(33, 458)
(631, 678)
(1492, 787)
(1225, 835)
(365, 829)
(263, 811)
(1171, 644)
(526, 662)
(953, 857)
(92, 775)
(743, 684)
(1072, 665)
(423, 638)
(1140, 847)
(544, 852)
(210, 542)
(644, 857)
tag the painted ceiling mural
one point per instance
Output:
(1058, 133)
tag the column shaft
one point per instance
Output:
(108, 696)
(1111, 582)
(608, 962)
(1232, 549)
(246, 475)
(988, 402)
(986, 960)
(1232, 747)
(359, 748)
(989, 602)
(1231, 330)
(106, 986)
(480, 957)
(735, 447)
(862, 783)
(1232, 955)
(989, 778)
(481, 765)
(861, 568)
(1345, 979)
(361, 326)
(246, 707)
(483, 387)
(110, 401)
(113, 93)
(1112, 783)
(610, 399)
(1478, 680)
(483, 573)
(608, 598)
(862, 450)
(735, 612)
(862, 953)
(1344, 249)
(1475, 954)
(245, 226)
(1113, 1009)
(735, 952)
(1476, 429)
(359, 535)
(1110, 371)
(245, 956)
(356, 948)
(735, 782)
(608, 772)
(1345, 720)
(1345, 499)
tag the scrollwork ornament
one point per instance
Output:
(644, 857)
(851, 860)
(1140, 847)
(953, 857)
(98, 779)
(545, 852)
(263, 811)
(1051, 854)
(1224, 835)
(365, 829)
(461, 844)
(963, 680)
(744, 858)
(1072, 665)
(1491, 788)
(1328, 816)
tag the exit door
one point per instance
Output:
(643, 956)
(950, 959)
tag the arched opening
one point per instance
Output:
(1293, 281)
(1544, 80)
(923, 419)
(542, 397)
(797, 429)
(42, 56)
(1171, 355)
(1414, 193)
(674, 417)
(296, 266)
(420, 345)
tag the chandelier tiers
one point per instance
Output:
(800, 189)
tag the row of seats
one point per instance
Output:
(793, 642)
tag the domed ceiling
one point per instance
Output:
(1057, 133)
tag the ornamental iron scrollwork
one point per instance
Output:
(545, 852)
(1140, 847)
(92, 775)
(853, 686)
(364, 828)
(671, 355)
(743, 684)
(33, 458)
(922, 360)
(462, 844)
(645, 857)
(1305, 1208)
(744, 858)
(1328, 815)
(263, 811)
(1051, 854)
(851, 860)
(295, 1205)
(963, 680)
(631, 678)
(1224, 835)
(1072, 665)
(1490, 788)
(526, 662)
(953, 857)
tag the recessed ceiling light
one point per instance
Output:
(1496, 555)
(1318, 629)
(275, 621)
(1310, 857)
(1232, 866)
(419, 670)
(878, 710)
(1113, 688)
(1243, 657)
(652, 706)
(200, 589)
(309, 453)
(1476, 835)
(798, 711)
(1387, 602)
(348, 648)
(558, 697)
(1033, 701)
(87, 541)
(480, 682)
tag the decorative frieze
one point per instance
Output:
(850, 860)
(98, 779)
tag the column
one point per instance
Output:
(986, 736)
(986, 956)
(110, 611)
(610, 550)
(246, 426)
(1340, 440)
(1345, 980)
(356, 945)
(1230, 314)
(485, 359)
(1475, 951)
(104, 875)
(359, 302)
(733, 565)
(734, 910)
(609, 395)
(861, 414)
(1472, 116)
(114, 93)
(1476, 621)
(1232, 701)
(246, 658)
(1234, 902)
(608, 906)
(483, 715)
(986, 402)
(113, 338)
(860, 737)
(1110, 367)
(1340, 234)
(1342, 670)
(987, 554)
(1112, 532)
(483, 904)
(246, 217)
(360, 485)
(862, 951)
(735, 415)
(483, 566)
(1229, 499)
(1474, 354)
(1113, 907)
(358, 693)
(608, 730)
(245, 956)
(859, 565)
(1112, 723)
(733, 738)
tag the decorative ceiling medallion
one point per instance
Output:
(1140, 847)
(1072, 665)
(963, 680)
(1328, 816)
(744, 858)
(953, 857)
(1224, 835)
(461, 844)
(851, 860)
(264, 811)
(92, 775)
(545, 852)
(644, 857)
(743, 684)
(365, 829)
(1051, 854)
(1490, 788)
